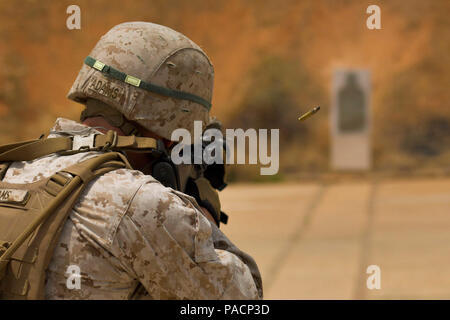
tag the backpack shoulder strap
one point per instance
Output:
(30, 248)
(33, 149)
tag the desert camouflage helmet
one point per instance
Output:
(151, 74)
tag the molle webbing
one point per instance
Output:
(121, 76)
(29, 231)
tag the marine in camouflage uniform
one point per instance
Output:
(131, 236)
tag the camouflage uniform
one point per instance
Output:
(127, 229)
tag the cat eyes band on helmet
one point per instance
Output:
(119, 75)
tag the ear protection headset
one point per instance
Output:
(162, 168)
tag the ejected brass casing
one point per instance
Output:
(309, 114)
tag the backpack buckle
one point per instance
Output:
(83, 142)
(4, 245)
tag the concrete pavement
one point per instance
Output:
(315, 241)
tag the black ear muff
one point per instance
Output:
(165, 173)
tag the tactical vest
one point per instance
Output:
(32, 215)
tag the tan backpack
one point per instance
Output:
(32, 215)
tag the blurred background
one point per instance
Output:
(315, 228)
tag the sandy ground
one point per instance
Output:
(315, 241)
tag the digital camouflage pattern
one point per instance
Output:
(128, 229)
(155, 54)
